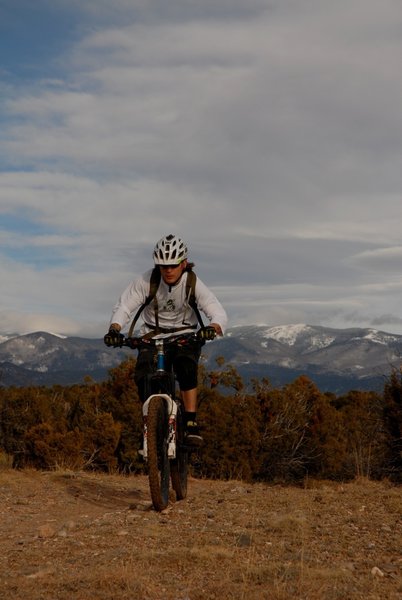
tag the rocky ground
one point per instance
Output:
(81, 536)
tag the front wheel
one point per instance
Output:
(158, 460)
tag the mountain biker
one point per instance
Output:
(172, 317)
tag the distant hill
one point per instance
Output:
(337, 360)
(45, 359)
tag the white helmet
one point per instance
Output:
(170, 250)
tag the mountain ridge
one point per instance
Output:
(335, 359)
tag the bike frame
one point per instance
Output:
(172, 404)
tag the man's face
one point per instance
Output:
(172, 273)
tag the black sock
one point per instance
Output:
(190, 416)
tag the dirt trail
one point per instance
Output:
(80, 536)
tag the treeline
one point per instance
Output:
(266, 434)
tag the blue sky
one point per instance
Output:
(267, 135)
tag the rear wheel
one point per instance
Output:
(158, 461)
(179, 466)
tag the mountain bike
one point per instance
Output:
(164, 440)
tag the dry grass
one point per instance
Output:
(77, 536)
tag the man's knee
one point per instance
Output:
(141, 387)
(143, 368)
(186, 373)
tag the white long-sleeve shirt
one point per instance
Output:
(174, 310)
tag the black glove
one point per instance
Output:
(207, 334)
(113, 338)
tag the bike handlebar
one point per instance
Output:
(202, 335)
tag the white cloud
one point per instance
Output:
(380, 260)
(19, 322)
(266, 134)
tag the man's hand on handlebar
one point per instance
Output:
(207, 333)
(114, 338)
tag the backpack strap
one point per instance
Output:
(153, 288)
(190, 295)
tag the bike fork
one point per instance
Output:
(172, 425)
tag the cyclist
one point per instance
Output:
(170, 316)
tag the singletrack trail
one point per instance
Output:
(84, 536)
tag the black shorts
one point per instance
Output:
(184, 358)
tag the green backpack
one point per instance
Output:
(153, 288)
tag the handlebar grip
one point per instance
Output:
(113, 338)
(207, 333)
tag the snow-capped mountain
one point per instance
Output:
(301, 346)
(46, 358)
(335, 359)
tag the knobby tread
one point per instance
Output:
(158, 462)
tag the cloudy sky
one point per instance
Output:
(266, 133)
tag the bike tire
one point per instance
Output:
(158, 460)
(179, 466)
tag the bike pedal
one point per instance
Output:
(194, 441)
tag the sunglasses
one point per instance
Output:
(164, 267)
